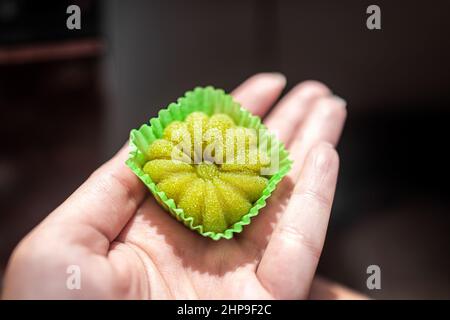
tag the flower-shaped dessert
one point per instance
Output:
(210, 167)
(209, 162)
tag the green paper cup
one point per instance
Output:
(209, 101)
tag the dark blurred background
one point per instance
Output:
(68, 99)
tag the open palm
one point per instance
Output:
(126, 246)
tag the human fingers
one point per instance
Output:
(293, 108)
(259, 92)
(289, 262)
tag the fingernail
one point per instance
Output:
(279, 76)
(340, 100)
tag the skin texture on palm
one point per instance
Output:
(127, 247)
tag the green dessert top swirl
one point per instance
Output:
(212, 168)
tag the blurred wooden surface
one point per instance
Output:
(44, 52)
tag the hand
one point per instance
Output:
(127, 247)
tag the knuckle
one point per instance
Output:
(317, 197)
(291, 233)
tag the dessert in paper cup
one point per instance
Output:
(209, 162)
